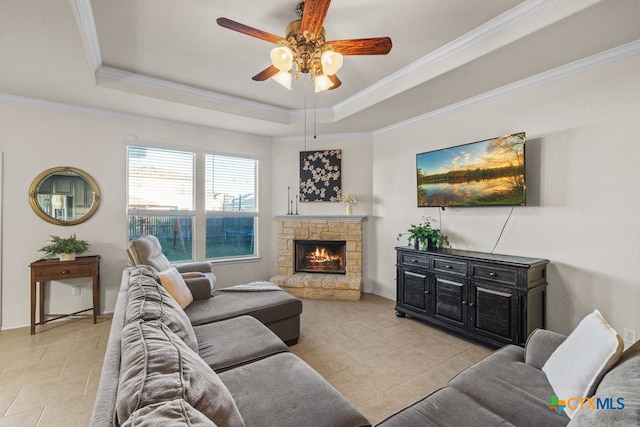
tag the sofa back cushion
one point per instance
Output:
(176, 413)
(156, 367)
(620, 391)
(148, 301)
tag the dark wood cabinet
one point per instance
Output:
(495, 299)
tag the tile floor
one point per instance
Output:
(379, 362)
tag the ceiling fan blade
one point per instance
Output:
(336, 82)
(313, 17)
(371, 46)
(250, 31)
(265, 74)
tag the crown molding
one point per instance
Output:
(526, 18)
(6, 98)
(83, 13)
(158, 88)
(576, 67)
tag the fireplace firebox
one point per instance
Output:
(320, 256)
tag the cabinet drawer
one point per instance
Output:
(507, 276)
(57, 272)
(416, 259)
(445, 265)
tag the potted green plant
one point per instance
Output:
(423, 236)
(65, 248)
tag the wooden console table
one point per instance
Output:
(47, 270)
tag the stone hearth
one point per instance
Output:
(320, 286)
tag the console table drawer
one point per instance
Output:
(418, 260)
(55, 272)
(505, 276)
(449, 266)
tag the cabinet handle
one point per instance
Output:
(471, 304)
(492, 274)
(427, 292)
(65, 272)
(449, 267)
(414, 260)
(464, 302)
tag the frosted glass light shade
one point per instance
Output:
(331, 62)
(283, 78)
(282, 58)
(323, 82)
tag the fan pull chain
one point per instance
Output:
(305, 113)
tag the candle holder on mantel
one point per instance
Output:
(290, 203)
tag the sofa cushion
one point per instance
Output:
(267, 307)
(446, 407)
(517, 392)
(147, 301)
(620, 386)
(156, 366)
(283, 391)
(579, 363)
(174, 413)
(174, 283)
(234, 342)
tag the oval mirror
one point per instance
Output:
(64, 195)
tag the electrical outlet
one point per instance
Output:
(629, 335)
(76, 291)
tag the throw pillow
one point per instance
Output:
(576, 367)
(173, 282)
(156, 366)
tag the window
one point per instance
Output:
(231, 203)
(162, 201)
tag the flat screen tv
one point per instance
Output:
(482, 173)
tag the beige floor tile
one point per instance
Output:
(24, 419)
(7, 397)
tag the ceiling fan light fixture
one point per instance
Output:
(283, 78)
(282, 58)
(323, 82)
(331, 62)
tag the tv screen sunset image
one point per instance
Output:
(489, 172)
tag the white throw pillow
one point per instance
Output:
(173, 282)
(576, 367)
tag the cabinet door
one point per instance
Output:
(415, 290)
(493, 312)
(449, 299)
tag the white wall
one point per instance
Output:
(583, 184)
(35, 139)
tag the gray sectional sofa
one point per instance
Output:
(222, 361)
(509, 388)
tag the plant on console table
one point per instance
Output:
(65, 248)
(423, 236)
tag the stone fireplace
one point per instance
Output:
(320, 256)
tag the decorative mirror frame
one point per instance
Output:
(33, 199)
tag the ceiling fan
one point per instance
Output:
(306, 47)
